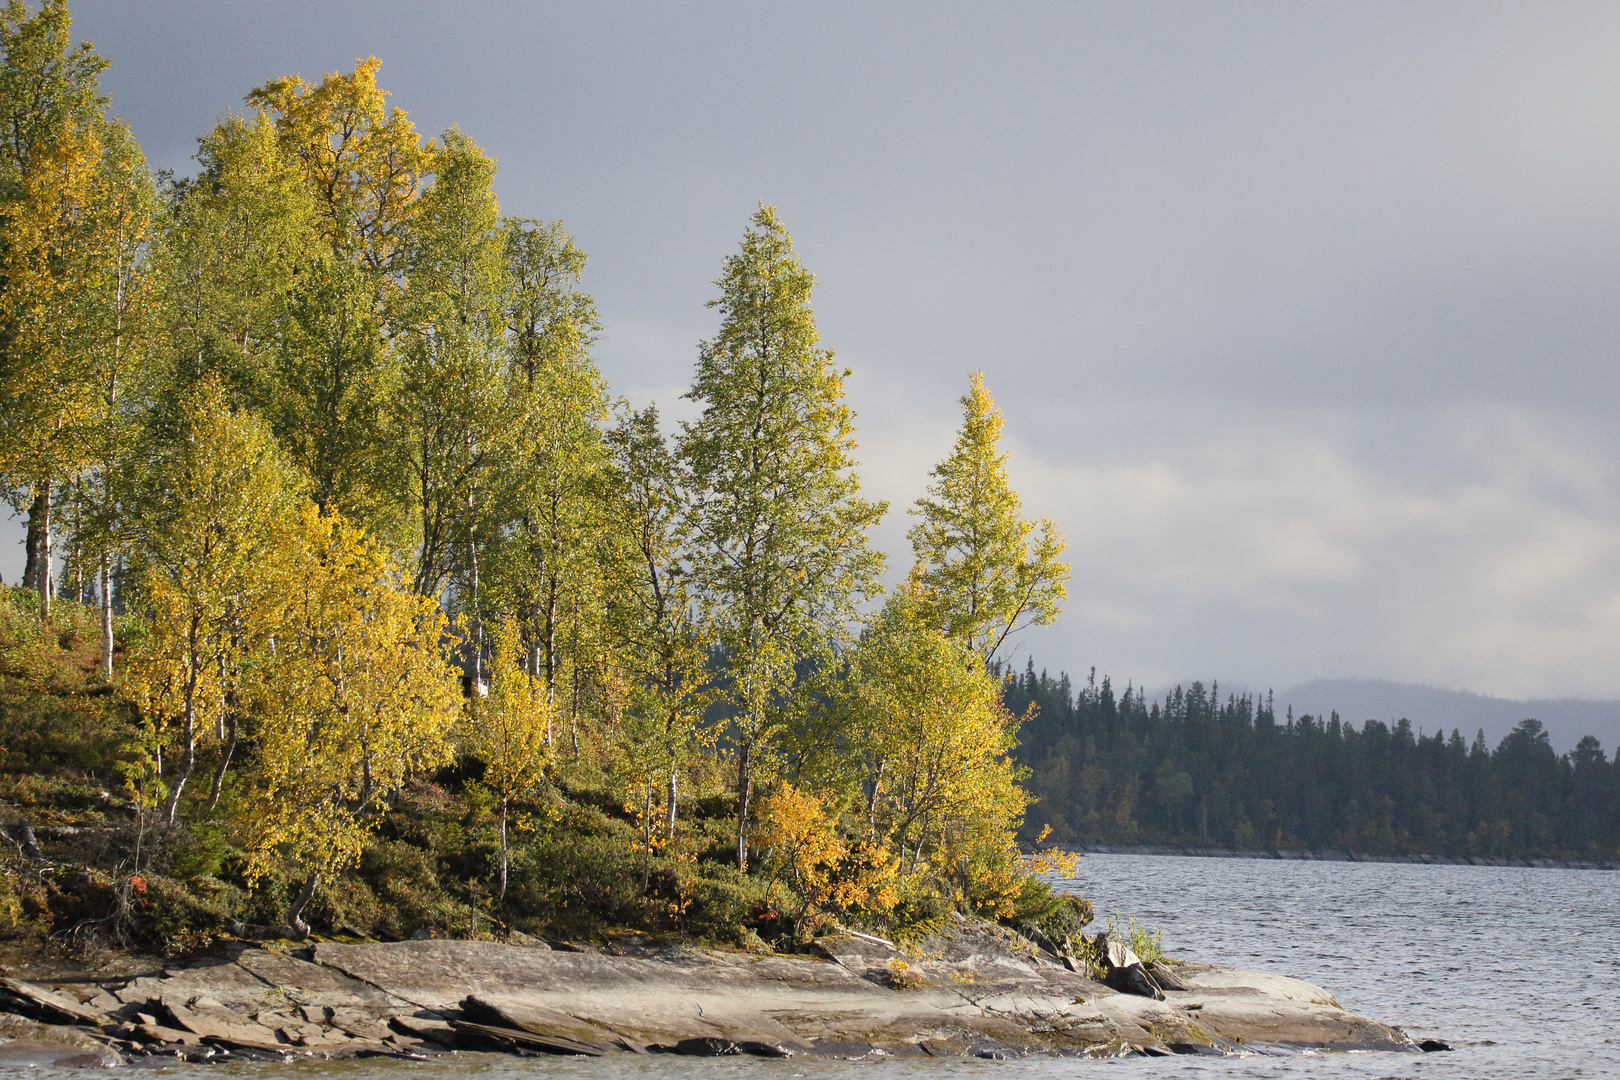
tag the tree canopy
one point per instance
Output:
(377, 554)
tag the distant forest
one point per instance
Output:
(1196, 770)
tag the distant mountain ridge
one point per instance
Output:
(1430, 707)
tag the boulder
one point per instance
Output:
(221, 1027)
(516, 1014)
(31, 1053)
(1164, 976)
(1126, 972)
(425, 1027)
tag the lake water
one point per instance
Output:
(1519, 969)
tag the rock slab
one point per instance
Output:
(974, 989)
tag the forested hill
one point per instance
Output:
(1197, 770)
(1565, 720)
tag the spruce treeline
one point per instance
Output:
(1198, 771)
(402, 618)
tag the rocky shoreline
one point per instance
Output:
(972, 989)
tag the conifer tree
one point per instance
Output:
(982, 571)
(780, 528)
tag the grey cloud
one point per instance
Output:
(1304, 316)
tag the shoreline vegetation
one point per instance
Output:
(382, 630)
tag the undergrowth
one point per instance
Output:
(106, 872)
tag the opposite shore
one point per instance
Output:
(1342, 856)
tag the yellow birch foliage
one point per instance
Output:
(364, 161)
(660, 633)
(231, 254)
(118, 305)
(42, 276)
(942, 790)
(214, 527)
(507, 729)
(357, 699)
(983, 573)
(800, 833)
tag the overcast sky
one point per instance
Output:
(1305, 317)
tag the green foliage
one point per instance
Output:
(45, 81)
(1034, 903)
(1065, 921)
(12, 915)
(1145, 943)
(982, 572)
(181, 917)
(55, 709)
(199, 850)
(582, 878)
(780, 528)
(919, 913)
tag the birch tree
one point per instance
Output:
(982, 572)
(230, 260)
(507, 728)
(931, 734)
(661, 629)
(452, 415)
(553, 481)
(120, 301)
(367, 170)
(779, 526)
(357, 698)
(50, 112)
(214, 523)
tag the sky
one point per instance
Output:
(1305, 318)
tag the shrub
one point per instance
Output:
(722, 904)
(198, 850)
(1145, 943)
(902, 976)
(183, 917)
(1065, 922)
(919, 913)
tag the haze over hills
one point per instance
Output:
(1430, 707)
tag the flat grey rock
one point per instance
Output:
(52, 1003)
(973, 989)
